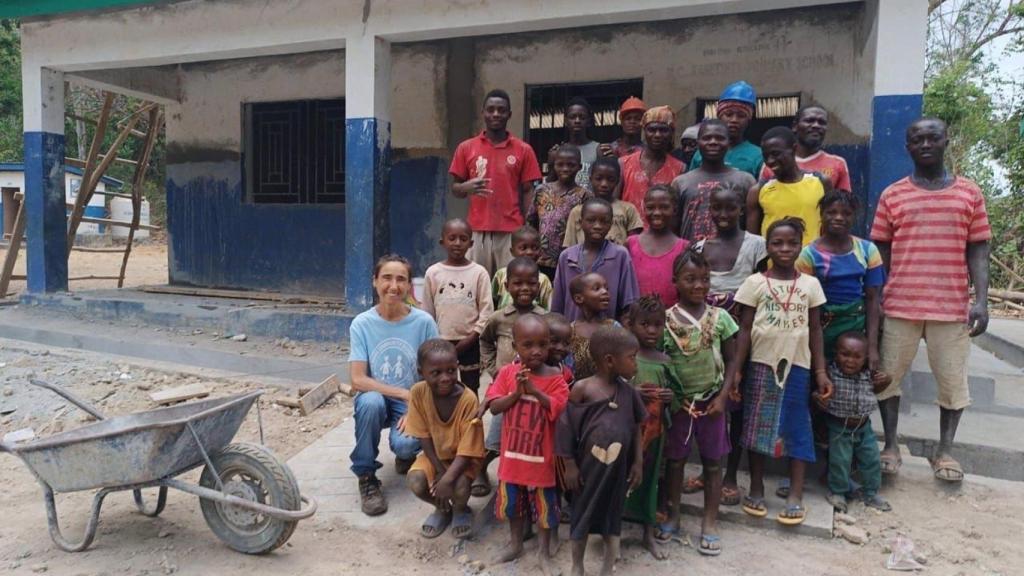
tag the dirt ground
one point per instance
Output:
(972, 530)
(146, 265)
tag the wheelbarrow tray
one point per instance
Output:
(135, 448)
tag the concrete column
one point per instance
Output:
(900, 35)
(45, 209)
(367, 163)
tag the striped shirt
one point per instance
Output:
(929, 231)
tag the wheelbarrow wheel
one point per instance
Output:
(253, 473)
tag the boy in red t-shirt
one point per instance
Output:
(531, 395)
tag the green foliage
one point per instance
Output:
(11, 126)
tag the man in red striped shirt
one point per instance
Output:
(933, 232)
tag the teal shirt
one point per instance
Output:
(744, 156)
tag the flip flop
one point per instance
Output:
(792, 515)
(667, 531)
(783, 490)
(437, 522)
(891, 463)
(481, 486)
(462, 524)
(706, 541)
(755, 506)
(693, 484)
(730, 496)
(878, 503)
(947, 469)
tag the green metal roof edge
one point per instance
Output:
(25, 8)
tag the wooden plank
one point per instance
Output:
(318, 395)
(286, 401)
(98, 250)
(243, 294)
(12, 253)
(180, 394)
(76, 278)
(137, 179)
(121, 223)
(136, 133)
(90, 177)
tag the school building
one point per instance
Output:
(307, 137)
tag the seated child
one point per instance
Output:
(525, 242)
(599, 442)
(850, 436)
(646, 320)
(605, 174)
(457, 293)
(497, 350)
(701, 345)
(552, 203)
(596, 254)
(442, 415)
(590, 294)
(531, 394)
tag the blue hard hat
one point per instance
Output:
(741, 92)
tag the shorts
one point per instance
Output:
(423, 464)
(708, 433)
(540, 505)
(492, 250)
(948, 344)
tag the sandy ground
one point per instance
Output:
(146, 265)
(972, 530)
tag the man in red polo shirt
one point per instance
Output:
(496, 171)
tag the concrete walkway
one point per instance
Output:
(1005, 339)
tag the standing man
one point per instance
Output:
(933, 233)
(687, 145)
(736, 108)
(810, 125)
(652, 164)
(696, 187)
(631, 115)
(496, 171)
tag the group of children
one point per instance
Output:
(615, 348)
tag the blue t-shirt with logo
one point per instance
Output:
(389, 348)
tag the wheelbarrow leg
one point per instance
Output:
(90, 527)
(161, 501)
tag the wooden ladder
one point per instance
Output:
(94, 167)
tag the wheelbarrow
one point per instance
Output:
(249, 498)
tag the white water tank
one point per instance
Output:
(121, 210)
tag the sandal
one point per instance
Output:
(783, 490)
(947, 469)
(730, 496)
(710, 545)
(462, 524)
(435, 524)
(838, 502)
(693, 485)
(792, 515)
(878, 503)
(667, 531)
(891, 462)
(754, 506)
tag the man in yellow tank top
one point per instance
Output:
(792, 192)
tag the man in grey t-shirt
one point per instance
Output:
(695, 187)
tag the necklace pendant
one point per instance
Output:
(613, 405)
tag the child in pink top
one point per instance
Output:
(655, 249)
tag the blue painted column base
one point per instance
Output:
(890, 116)
(367, 234)
(46, 212)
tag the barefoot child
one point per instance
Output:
(590, 294)
(780, 330)
(531, 395)
(526, 243)
(700, 342)
(599, 438)
(457, 293)
(654, 249)
(497, 350)
(595, 254)
(850, 436)
(646, 320)
(605, 175)
(442, 415)
(553, 201)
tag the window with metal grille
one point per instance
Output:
(295, 152)
(545, 104)
(771, 111)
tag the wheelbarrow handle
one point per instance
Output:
(70, 397)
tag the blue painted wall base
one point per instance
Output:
(46, 213)
(367, 220)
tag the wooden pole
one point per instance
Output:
(12, 250)
(137, 180)
(85, 190)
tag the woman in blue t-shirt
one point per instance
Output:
(382, 368)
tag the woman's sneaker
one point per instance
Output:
(371, 497)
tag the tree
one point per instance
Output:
(11, 143)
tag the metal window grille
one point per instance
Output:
(295, 152)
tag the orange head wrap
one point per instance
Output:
(663, 114)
